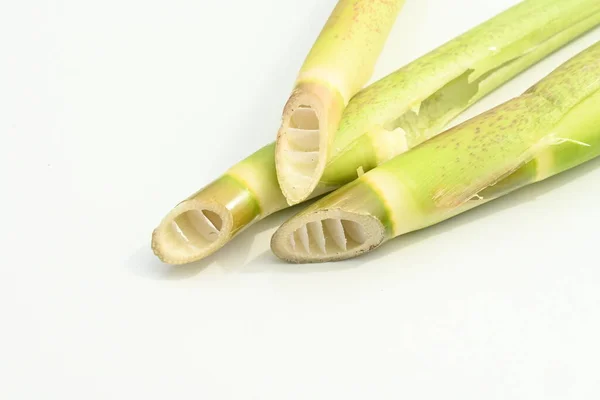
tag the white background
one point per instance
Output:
(113, 111)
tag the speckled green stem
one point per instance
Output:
(417, 101)
(552, 127)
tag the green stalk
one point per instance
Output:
(428, 92)
(417, 101)
(552, 127)
(338, 65)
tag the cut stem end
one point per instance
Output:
(192, 231)
(327, 235)
(303, 140)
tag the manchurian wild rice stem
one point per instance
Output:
(381, 121)
(417, 101)
(552, 127)
(338, 65)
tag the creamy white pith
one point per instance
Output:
(300, 144)
(192, 230)
(197, 228)
(188, 234)
(328, 236)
